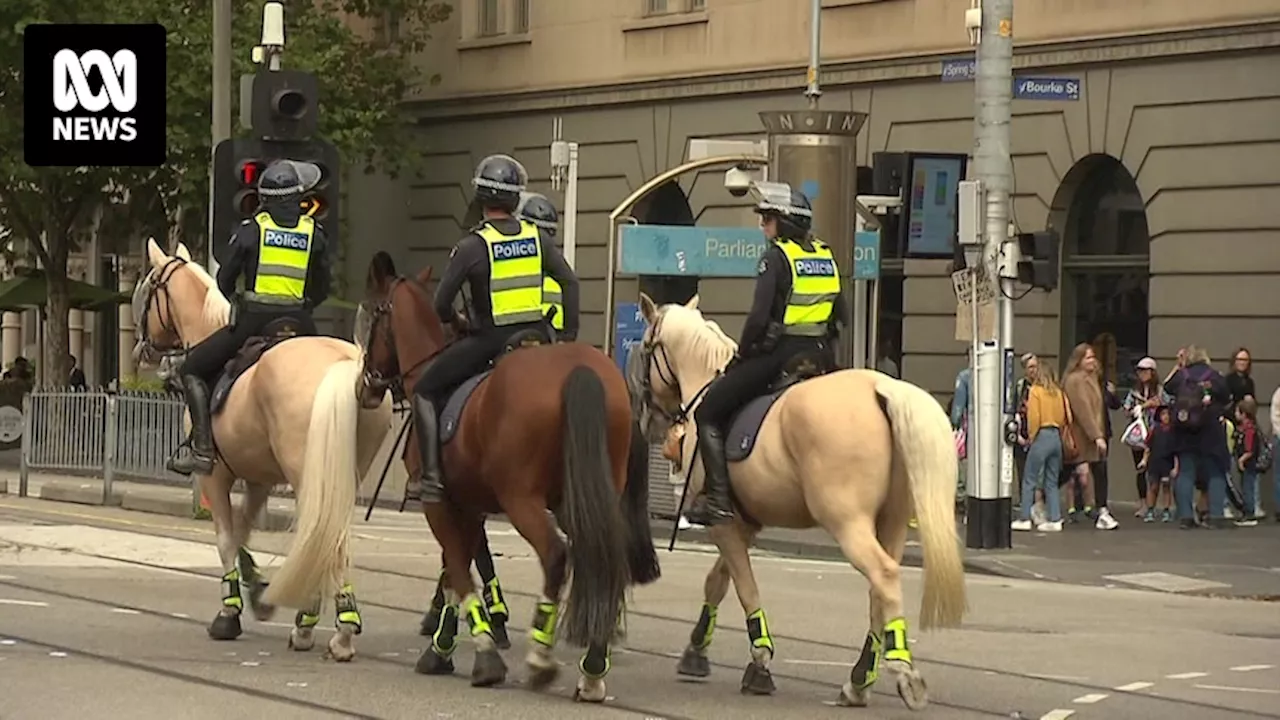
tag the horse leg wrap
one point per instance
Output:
(543, 631)
(477, 616)
(596, 661)
(758, 631)
(494, 600)
(895, 641)
(231, 592)
(346, 608)
(867, 669)
(305, 620)
(445, 638)
(706, 627)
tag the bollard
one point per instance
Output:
(24, 471)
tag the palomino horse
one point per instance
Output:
(850, 451)
(548, 428)
(294, 416)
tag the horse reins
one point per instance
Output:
(164, 311)
(375, 379)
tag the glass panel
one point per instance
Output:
(520, 22)
(1109, 215)
(655, 7)
(1113, 303)
(488, 17)
(697, 4)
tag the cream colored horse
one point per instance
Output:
(294, 417)
(851, 452)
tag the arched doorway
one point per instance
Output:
(1101, 216)
(667, 205)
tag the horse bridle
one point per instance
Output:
(650, 348)
(154, 285)
(375, 379)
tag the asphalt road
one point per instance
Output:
(103, 614)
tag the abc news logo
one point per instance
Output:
(94, 95)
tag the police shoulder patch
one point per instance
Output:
(763, 266)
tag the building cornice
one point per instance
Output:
(1093, 51)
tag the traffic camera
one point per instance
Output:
(1038, 266)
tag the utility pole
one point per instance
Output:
(814, 91)
(221, 120)
(991, 509)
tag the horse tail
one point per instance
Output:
(925, 446)
(590, 515)
(642, 559)
(318, 561)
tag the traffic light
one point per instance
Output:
(237, 165)
(323, 200)
(1038, 266)
(284, 105)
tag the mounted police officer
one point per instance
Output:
(537, 209)
(504, 261)
(282, 257)
(796, 305)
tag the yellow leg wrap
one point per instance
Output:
(231, 590)
(895, 641)
(543, 630)
(477, 616)
(347, 609)
(758, 630)
(493, 596)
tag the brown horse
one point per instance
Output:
(549, 429)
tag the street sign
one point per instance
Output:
(628, 332)
(1046, 88)
(959, 70)
(966, 284)
(866, 255)
(685, 250)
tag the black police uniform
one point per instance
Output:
(469, 264)
(537, 209)
(281, 190)
(763, 353)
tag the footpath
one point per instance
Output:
(1239, 563)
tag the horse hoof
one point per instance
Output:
(488, 669)
(429, 663)
(301, 640)
(225, 627)
(852, 697)
(543, 668)
(590, 690)
(430, 621)
(912, 689)
(693, 664)
(341, 648)
(500, 637)
(262, 612)
(757, 680)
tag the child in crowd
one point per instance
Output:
(1245, 451)
(1160, 462)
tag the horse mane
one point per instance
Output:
(708, 342)
(217, 309)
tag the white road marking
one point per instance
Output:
(295, 684)
(1091, 698)
(1186, 676)
(1057, 715)
(1066, 678)
(125, 611)
(24, 603)
(7, 577)
(180, 616)
(831, 663)
(1134, 687)
(57, 654)
(7, 641)
(107, 545)
(1228, 688)
(1167, 582)
(250, 663)
(1251, 668)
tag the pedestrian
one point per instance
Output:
(1248, 442)
(1047, 417)
(1030, 363)
(1240, 379)
(1200, 394)
(1088, 428)
(1275, 466)
(1144, 398)
(1160, 464)
(959, 413)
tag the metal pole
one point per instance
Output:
(221, 120)
(860, 314)
(993, 166)
(571, 208)
(814, 91)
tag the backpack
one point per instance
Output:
(1266, 452)
(1189, 410)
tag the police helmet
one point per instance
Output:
(499, 180)
(286, 179)
(537, 209)
(791, 208)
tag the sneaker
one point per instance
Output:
(1021, 525)
(1149, 516)
(684, 523)
(1037, 514)
(1090, 512)
(1229, 513)
(1188, 524)
(1247, 523)
(1048, 527)
(1105, 521)
(1142, 512)
(1166, 516)
(1073, 516)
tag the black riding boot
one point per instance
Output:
(199, 458)
(427, 427)
(714, 506)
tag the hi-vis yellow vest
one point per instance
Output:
(283, 256)
(815, 286)
(553, 298)
(515, 274)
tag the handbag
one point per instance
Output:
(961, 435)
(1135, 436)
(1070, 451)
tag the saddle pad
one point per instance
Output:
(744, 426)
(451, 418)
(250, 354)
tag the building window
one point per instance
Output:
(655, 7)
(488, 18)
(389, 27)
(520, 16)
(696, 5)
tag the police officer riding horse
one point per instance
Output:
(793, 314)
(537, 209)
(281, 255)
(504, 261)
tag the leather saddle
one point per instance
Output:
(273, 333)
(745, 424)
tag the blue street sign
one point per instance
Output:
(628, 331)
(695, 251)
(866, 255)
(1046, 88)
(959, 70)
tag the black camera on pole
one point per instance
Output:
(1038, 266)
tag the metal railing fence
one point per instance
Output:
(127, 435)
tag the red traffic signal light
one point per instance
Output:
(250, 171)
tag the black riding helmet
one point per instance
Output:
(537, 209)
(789, 206)
(499, 180)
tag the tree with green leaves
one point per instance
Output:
(363, 51)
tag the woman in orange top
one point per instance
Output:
(1047, 415)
